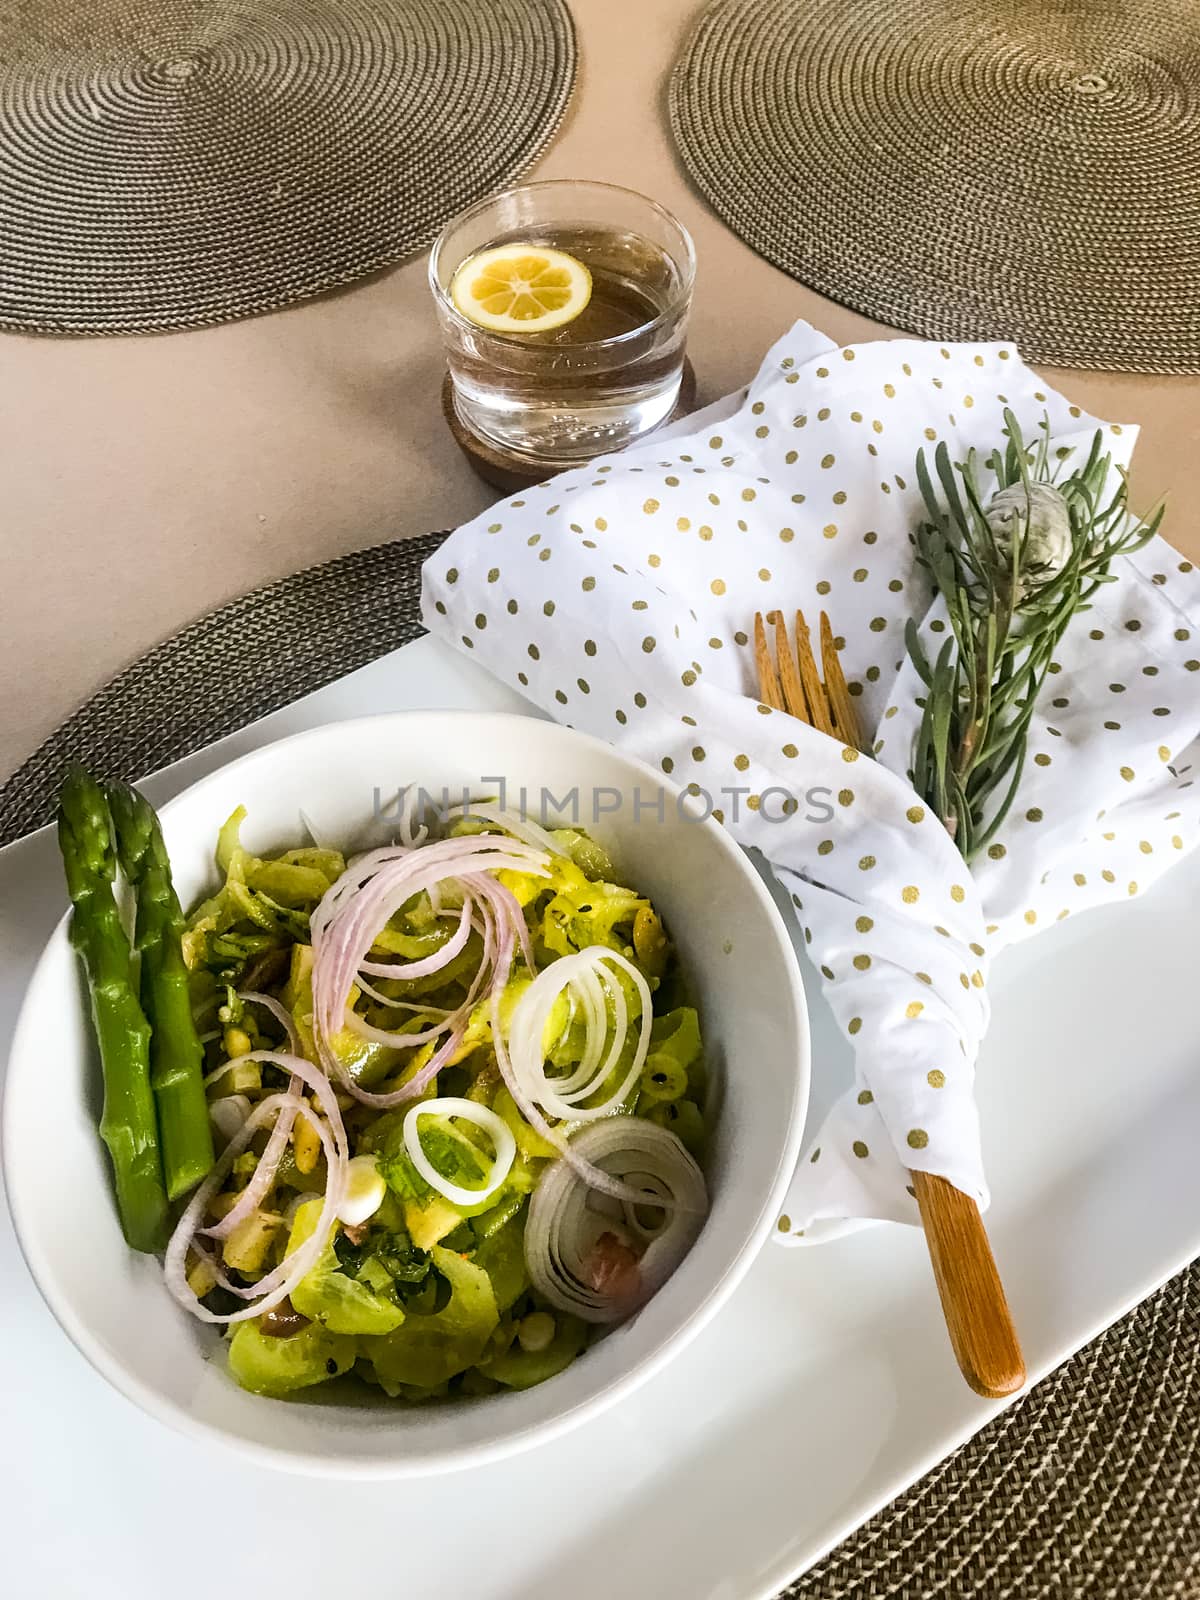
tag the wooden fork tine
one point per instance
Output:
(768, 683)
(814, 691)
(793, 689)
(845, 715)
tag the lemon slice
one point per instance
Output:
(521, 288)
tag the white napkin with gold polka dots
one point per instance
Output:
(620, 597)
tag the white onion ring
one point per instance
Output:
(589, 1174)
(563, 1227)
(563, 1097)
(520, 827)
(469, 1111)
(409, 831)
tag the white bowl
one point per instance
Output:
(113, 1303)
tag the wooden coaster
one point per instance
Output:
(506, 470)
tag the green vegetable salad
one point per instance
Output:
(454, 1093)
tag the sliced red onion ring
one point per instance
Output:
(468, 1111)
(427, 964)
(349, 917)
(347, 920)
(499, 908)
(268, 1163)
(302, 1072)
(566, 1227)
(277, 1285)
(272, 1288)
(268, 1291)
(279, 1011)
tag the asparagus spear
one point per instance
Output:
(127, 1124)
(176, 1054)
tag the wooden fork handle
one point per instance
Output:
(977, 1316)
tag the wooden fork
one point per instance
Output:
(973, 1302)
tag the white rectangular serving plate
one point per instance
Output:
(825, 1388)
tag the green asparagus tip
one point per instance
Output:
(136, 827)
(84, 831)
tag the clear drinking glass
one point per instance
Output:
(597, 383)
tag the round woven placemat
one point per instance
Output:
(1084, 1490)
(1015, 169)
(171, 163)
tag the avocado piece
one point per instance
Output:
(270, 1366)
(428, 1224)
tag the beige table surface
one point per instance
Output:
(145, 481)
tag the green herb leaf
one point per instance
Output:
(1008, 605)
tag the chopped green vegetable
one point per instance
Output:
(507, 1206)
(427, 1350)
(274, 896)
(531, 1144)
(329, 1296)
(517, 1368)
(229, 839)
(674, 1065)
(584, 912)
(591, 858)
(502, 1256)
(387, 1260)
(662, 1078)
(677, 1034)
(684, 1119)
(365, 1062)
